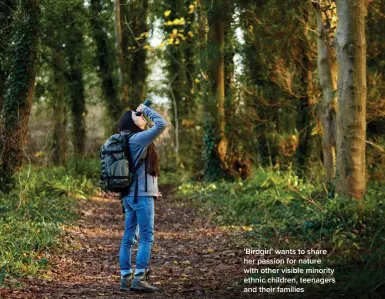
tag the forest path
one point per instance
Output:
(191, 258)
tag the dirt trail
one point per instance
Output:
(190, 259)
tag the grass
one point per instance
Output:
(173, 177)
(31, 216)
(279, 210)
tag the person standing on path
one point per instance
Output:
(138, 201)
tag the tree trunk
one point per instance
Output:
(176, 86)
(210, 159)
(191, 159)
(229, 53)
(6, 18)
(176, 119)
(77, 92)
(106, 66)
(259, 114)
(78, 107)
(218, 38)
(214, 125)
(180, 74)
(306, 153)
(122, 45)
(306, 150)
(189, 56)
(327, 71)
(138, 71)
(59, 138)
(19, 88)
(351, 111)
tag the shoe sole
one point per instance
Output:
(124, 288)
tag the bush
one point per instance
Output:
(87, 167)
(176, 177)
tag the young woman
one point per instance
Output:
(138, 201)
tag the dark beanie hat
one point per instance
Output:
(126, 123)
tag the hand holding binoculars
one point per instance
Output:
(147, 103)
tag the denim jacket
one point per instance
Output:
(138, 144)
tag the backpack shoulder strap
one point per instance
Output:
(126, 146)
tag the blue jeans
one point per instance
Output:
(141, 213)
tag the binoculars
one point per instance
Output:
(147, 103)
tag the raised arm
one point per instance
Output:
(145, 138)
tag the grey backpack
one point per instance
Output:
(116, 175)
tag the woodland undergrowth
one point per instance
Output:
(33, 213)
(279, 210)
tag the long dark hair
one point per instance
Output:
(126, 123)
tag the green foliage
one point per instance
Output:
(32, 214)
(237, 201)
(177, 177)
(86, 167)
(280, 210)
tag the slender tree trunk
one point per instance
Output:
(78, 107)
(229, 53)
(77, 92)
(105, 61)
(176, 97)
(191, 143)
(218, 38)
(19, 88)
(138, 15)
(59, 138)
(306, 119)
(176, 86)
(189, 57)
(122, 45)
(327, 70)
(180, 69)
(351, 112)
(238, 160)
(256, 79)
(210, 159)
(2, 81)
(232, 158)
(175, 108)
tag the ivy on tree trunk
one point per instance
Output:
(19, 88)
